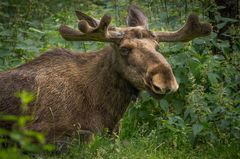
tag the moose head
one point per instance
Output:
(135, 47)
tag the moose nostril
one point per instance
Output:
(162, 90)
(157, 89)
(149, 79)
(168, 91)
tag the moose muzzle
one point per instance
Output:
(162, 81)
(161, 86)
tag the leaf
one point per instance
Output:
(36, 30)
(164, 105)
(6, 33)
(49, 148)
(15, 135)
(196, 129)
(187, 113)
(177, 47)
(218, 57)
(4, 52)
(221, 25)
(9, 118)
(213, 77)
(199, 41)
(22, 120)
(228, 19)
(3, 132)
(26, 97)
(170, 127)
(40, 137)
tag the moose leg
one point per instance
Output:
(116, 130)
(86, 136)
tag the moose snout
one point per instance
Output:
(161, 85)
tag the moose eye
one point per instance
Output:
(125, 51)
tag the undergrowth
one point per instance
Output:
(201, 120)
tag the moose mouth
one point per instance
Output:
(153, 94)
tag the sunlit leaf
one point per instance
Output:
(164, 105)
(197, 128)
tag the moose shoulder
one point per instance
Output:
(86, 93)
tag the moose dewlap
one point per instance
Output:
(86, 93)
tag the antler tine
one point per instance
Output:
(192, 29)
(84, 27)
(89, 33)
(69, 34)
(104, 23)
(91, 21)
(102, 27)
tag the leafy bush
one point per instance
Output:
(18, 140)
(205, 110)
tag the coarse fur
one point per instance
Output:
(72, 91)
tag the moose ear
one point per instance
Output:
(136, 17)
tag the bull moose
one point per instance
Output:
(86, 93)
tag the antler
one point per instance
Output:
(192, 29)
(91, 31)
(91, 21)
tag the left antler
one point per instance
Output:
(91, 21)
(93, 32)
(192, 29)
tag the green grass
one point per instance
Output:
(141, 147)
(146, 148)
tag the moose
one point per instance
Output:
(83, 94)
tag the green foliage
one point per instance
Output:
(204, 114)
(17, 140)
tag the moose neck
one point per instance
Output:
(108, 92)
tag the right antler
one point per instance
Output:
(192, 29)
(91, 31)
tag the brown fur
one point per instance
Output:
(73, 91)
